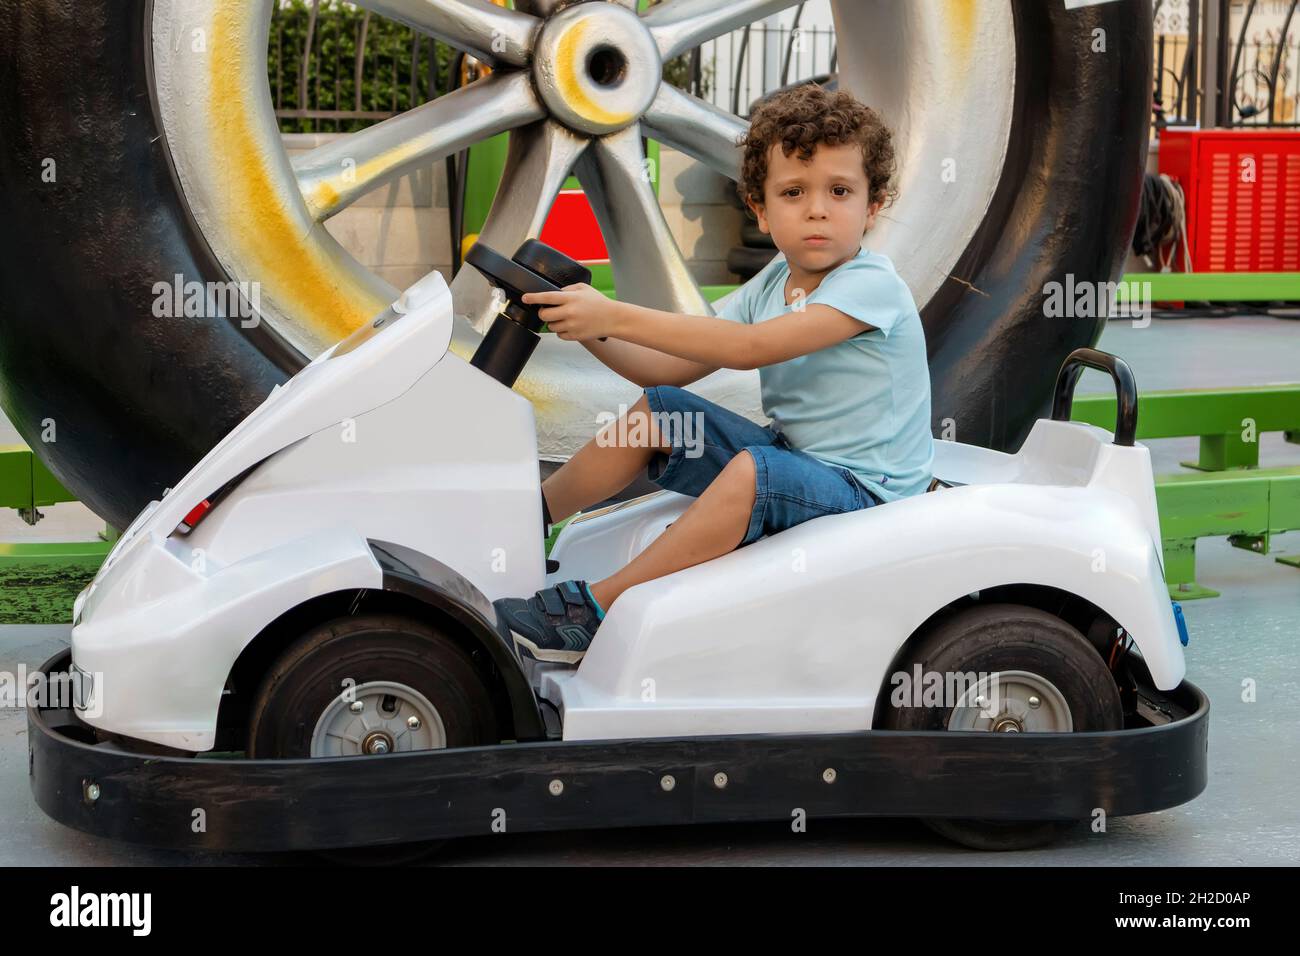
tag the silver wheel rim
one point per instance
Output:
(263, 215)
(1012, 702)
(375, 718)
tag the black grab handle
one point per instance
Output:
(1126, 393)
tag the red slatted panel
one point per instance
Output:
(1243, 191)
(1289, 241)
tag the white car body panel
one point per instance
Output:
(795, 633)
(391, 437)
(160, 654)
(167, 615)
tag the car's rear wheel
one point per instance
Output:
(1032, 673)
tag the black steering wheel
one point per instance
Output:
(536, 267)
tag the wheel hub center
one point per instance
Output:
(1012, 702)
(596, 67)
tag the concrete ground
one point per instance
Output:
(1247, 815)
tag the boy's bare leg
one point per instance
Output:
(713, 525)
(598, 470)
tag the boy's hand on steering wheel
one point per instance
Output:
(577, 312)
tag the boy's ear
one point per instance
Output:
(760, 213)
(872, 209)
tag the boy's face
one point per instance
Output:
(825, 197)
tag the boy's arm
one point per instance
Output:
(647, 366)
(701, 343)
(724, 344)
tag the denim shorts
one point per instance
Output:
(791, 486)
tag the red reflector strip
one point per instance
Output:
(196, 514)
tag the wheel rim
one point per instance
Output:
(1012, 702)
(375, 718)
(263, 215)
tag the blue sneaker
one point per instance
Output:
(555, 624)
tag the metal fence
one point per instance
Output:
(337, 69)
(750, 63)
(1175, 97)
(1262, 89)
(1254, 50)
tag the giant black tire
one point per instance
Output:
(1001, 638)
(137, 401)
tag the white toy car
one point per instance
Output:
(320, 585)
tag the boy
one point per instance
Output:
(842, 365)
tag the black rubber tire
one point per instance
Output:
(752, 237)
(78, 257)
(1000, 637)
(746, 262)
(309, 675)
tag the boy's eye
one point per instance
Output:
(837, 190)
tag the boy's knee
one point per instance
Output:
(642, 415)
(742, 470)
(659, 397)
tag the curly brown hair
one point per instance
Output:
(805, 116)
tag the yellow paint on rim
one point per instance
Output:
(295, 271)
(325, 195)
(567, 66)
(961, 14)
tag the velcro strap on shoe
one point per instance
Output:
(552, 602)
(572, 594)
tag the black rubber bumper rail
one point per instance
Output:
(277, 805)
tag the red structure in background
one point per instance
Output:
(571, 227)
(1242, 190)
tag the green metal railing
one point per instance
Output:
(1227, 493)
(38, 579)
(1215, 286)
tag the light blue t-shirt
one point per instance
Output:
(863, 403)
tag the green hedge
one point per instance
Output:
(385, 76)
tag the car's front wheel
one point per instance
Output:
(371, 685)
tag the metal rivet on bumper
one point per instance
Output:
(556, 787)
(667, 781)
(720, 780)
(90, 791)
(829, 774)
